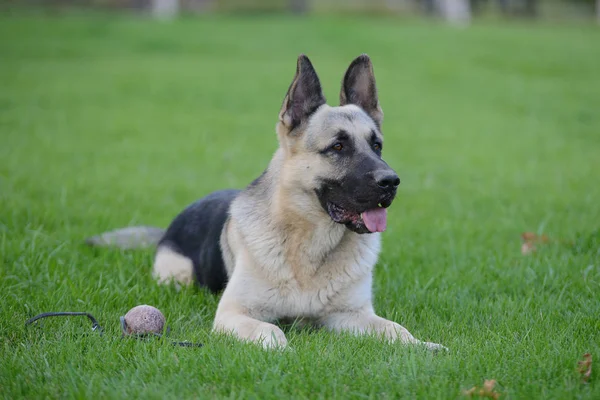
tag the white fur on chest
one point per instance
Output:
(329, 276)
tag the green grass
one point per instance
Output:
(108, 121)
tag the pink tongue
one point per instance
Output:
(375, 219)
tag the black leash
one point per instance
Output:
(96, 326)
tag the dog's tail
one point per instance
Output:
(133, 237)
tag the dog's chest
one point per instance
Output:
(294, 300)
(341, 282)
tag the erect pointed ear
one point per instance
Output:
(359, 88)
(303, 97)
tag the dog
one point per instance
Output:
(302, 240)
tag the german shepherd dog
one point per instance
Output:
(301, 241)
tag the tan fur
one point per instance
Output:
(284, 256)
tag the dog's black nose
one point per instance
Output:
(388, 181)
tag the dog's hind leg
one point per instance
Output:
(170, 266)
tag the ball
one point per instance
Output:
(142, 320)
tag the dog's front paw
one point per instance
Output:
(396, 332)
(434, 346)
(270, 337)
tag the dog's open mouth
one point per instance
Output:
(368, 221)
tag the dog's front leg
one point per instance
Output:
(365, 322)
(231, 318)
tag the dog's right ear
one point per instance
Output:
(303, 97)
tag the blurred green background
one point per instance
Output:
(584, 9)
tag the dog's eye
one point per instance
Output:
(337, 147)
(377, 147)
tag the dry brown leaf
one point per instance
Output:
(527, 248)
(487, 390)
(528, 236)
(530, 239)
(534, 238)
(585, 367)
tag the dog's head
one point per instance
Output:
(333, 154)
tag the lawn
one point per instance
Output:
(108, 121)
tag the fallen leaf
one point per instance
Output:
(535, 238)
(527, 248)
(530, 239)
(585, 367)
(528, 236)
(489, 384)
(487, 390)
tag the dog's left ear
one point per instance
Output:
(359, 88)
(303, 97)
